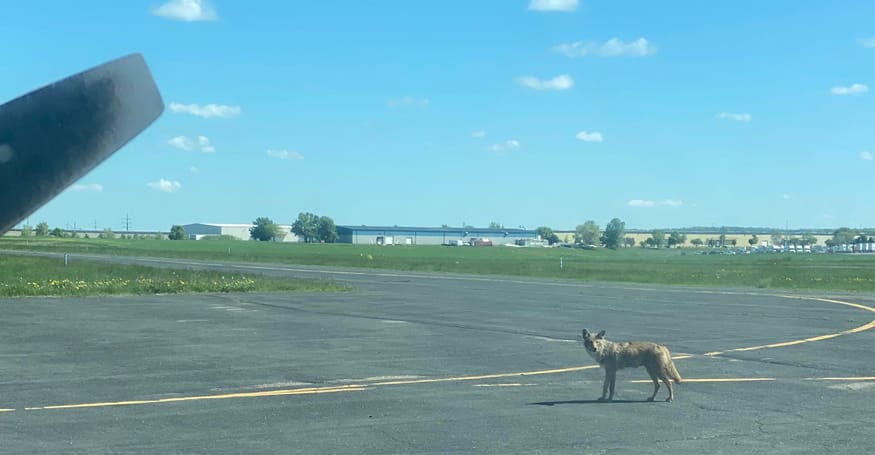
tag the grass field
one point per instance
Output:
(634, 265)
(27, 276)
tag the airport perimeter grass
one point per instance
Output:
(839, 272)
(32, 276)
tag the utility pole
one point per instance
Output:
(127, 222)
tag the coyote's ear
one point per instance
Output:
(601, 334)
(585, 333)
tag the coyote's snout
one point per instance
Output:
(613, 356)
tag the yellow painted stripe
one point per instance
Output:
(828, 336)
(6, 410)
(499, 385)
(269, 393)
(486, 376)
(685, 380)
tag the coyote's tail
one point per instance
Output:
(673, 372)
(670, 370)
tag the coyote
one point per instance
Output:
(613, 356)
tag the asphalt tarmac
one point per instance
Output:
(421, 363)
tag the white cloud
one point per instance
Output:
(744, 117)
(648, 203)
(511, 144)
(166, 186)
(89, 187)
(285, 155)
(407, 101)
(561, 82)
(186, 10)
(867, 42)
(205, 145)
(185, 143)
(594, 136)
(207, 110)
(182, 142)
(640, 203)
(478, 134)
(866, 156)
(785, 196)
(855, 89)
(553, 5)
(614, 47)
(194, 170)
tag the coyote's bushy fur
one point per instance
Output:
(613, 356)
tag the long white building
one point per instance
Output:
(197, 231)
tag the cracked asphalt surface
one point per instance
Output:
(420, 363)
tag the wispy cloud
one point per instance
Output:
(88, 187)
(285, 155)
(167, 186)
(744, 117)
(561, 82)
(506, 146)
(784, 196)
(645, 203)
(867, 42)
(407, 101)
(553, 5)
(194, 170)
(478, 134)
(202, 143)
(853, 90)
(594, 136)
(207, 110)
(866, 156)
(611, 48)
(186, 10)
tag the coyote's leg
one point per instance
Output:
(610, 378)
(667, 382)
(653, 377)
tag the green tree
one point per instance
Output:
(753, 240)
(777, 239)
(106, 234)
(177, 232)
(495, 225)
(677, 238)
(306, 226)
(547, 234)
(264, 229)
(614, 232)
(42, 229)
(57, 232)
(26, 231)
(723, 236)
(658, 237)
(326, 230)
(696, 242)
(809, 239)
(843, 236)
(587, 233)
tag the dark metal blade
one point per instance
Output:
(51, 137)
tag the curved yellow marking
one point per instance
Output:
(859, 329)
(269, 393)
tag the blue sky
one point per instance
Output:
(523, 112)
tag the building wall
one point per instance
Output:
(197, 231)
(364, 235)
(740, 239)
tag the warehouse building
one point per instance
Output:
(398, 235)
(197, 231)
